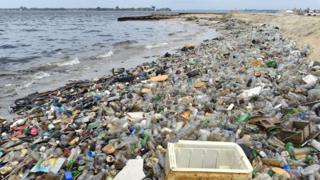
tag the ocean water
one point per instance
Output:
(43, 50)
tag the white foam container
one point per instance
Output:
(206, 160)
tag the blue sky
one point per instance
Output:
(174, 4)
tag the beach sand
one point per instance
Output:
(305, 30)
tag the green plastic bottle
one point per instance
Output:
(271, 64)
(145, 139)
(290, 149)
(309, 159)
(244, 117)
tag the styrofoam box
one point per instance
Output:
(206, 160)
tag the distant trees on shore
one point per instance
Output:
(117, 8)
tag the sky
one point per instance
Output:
(173, 4)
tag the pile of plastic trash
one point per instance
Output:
(250, 85)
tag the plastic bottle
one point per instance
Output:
(290, 149)
(244, 117)
(98, 176)
(18, 122)
(84, 175)
(311, 170)
(161, 158)
(315, 144)
(75, 152)
(187, 130)
(284, 163)
(295, 173)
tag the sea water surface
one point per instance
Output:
(43, 50)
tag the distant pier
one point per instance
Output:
(159, 16)
(154, 16)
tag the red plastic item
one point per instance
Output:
(34, 131)
(98, 86)
(66, 152)
(18, 131)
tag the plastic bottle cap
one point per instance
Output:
(286, 167)
(68, 175)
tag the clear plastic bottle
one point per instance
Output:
(98, 176)
(84, 176)
(75, 152)
(315, 144)
(188, 129)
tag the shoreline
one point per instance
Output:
(127, 56)
(208, 92)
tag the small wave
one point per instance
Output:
(106, 55)
(28, 84)
(123, 43)
(50, 53)
(104, 35)
(1, 30)
(108, 40)
(99, 45)
(7, 73)
(4, 60)
(40, 68)
(28, 59)
(31, 30)
(7, 46)
(7, 60)
(69, 63)
(41, 75)
(71, 29)
(156, 45)
(50, 39)
(68, 40)
(92, 31)
(8, 91)
(24, 45)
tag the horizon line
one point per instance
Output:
(5, 8)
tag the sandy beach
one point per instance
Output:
(302, 29)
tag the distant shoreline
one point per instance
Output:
(147, 9)
(87, 9)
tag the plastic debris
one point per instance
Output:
(133, 170)
(159, 78)
(281, 172)
(310, 80)
(251, 92)
(249, 86)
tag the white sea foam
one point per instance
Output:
(152, 46)
(41, 75)
(27, 84)
(70, 63)
(106, 55)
